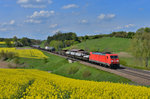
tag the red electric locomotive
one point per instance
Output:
(107, 59)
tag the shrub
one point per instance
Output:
(11, 55)
(7, 55)
(73, 70)
(2, 55)
(16, 60)
(45, 60)
(86, 74)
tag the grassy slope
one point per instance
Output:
(112, 44)
(106, 43)
(61, 66)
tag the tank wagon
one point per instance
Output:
(78, 53)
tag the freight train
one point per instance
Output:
(104, 59)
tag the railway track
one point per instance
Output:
(141, 77)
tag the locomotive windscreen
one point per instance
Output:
(114, 57)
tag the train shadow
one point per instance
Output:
(116, 68)
(121, 68)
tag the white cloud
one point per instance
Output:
(33, 21)
(129, 25)
(11, 22)
(41, 14)
(106, 16)
(53, 25)
(125, 26)
(22, 1)
(33, 6)
(34, 3)
(101, 16)
(39, 17)
(55, 31)
(7, 26)
(4, 29)
(110, 15)
(70, 6)
(118, 27)
(84, 21)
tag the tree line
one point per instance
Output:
(61, 40)
(120, 34)
(20, 42)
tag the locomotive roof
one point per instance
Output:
(98, 53)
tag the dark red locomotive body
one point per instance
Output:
(111, 60)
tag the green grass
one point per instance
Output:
(133, 63)
(114, 45)
(104, 44)
(59, 65)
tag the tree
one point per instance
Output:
(141, 44)
(15, 39)
(58, 45)
(18, 44)
(8, 42)
(25, 41)
(86, 37)
(130, 35)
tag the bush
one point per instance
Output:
(2, 55)
(73, 70)
(10, 55)
(7, 55)
(16, 60)
(45, 60)
(86, 74)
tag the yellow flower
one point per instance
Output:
(35, 84)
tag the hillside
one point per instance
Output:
(60, 66)
(104, 44)
(35, 84)
(121, 46)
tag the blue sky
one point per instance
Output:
(39, 19)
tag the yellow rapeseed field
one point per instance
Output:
(5, 43)
(27, 53)
(35, 84)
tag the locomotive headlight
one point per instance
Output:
(117, 60)
(112, 61)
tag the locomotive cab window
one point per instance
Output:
(113, 57)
